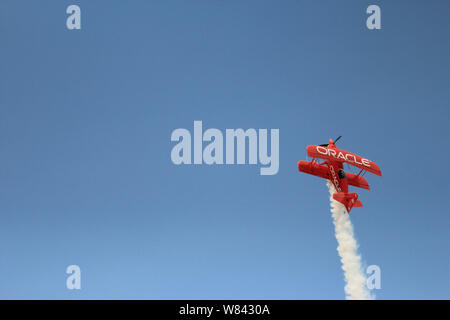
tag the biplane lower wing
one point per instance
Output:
(357, 181)
(314, 168)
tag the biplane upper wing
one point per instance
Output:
(337, 154)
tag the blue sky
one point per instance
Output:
(85, 124)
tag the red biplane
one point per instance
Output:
(332, 169)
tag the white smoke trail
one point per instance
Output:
(355, 278)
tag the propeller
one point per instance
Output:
(326, 144)
(337, 139)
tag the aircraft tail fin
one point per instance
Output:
(349, 200)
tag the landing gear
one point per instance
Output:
(341, 174)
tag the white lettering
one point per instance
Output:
(365, 162)
(346, 157)
(322, 150)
